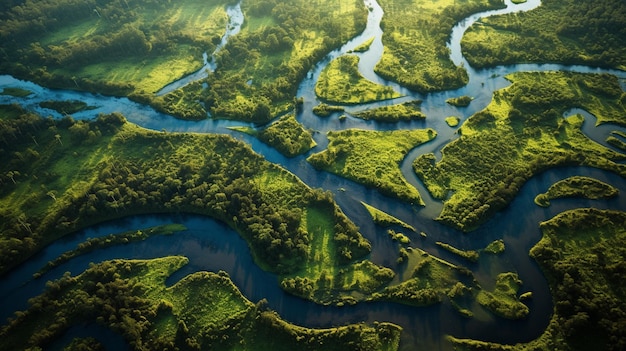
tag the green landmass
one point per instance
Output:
(582, 255)
(452, 121)
(399, 237)
(616, 142)
(203, 310)
(119, 47)
(495, 247)
(66, 107)
(577, 186)
(415, 34)
(521, 133)
(461, 101)
(373, 158)
(92, 244)
(564, 31)
(385, 219)
(341, 82)
(365, 46)
(288, 136)
(17, 92)
(325, 110)
(503, 301)
(470, 255)
(406, 111)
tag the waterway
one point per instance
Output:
(211, 245)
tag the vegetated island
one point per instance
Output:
(470, 255)
(618, 143)
(203, 310)
(406, 111)
(452, 121)
(519, 134)
(325, 110)
(365, 46)
(461, 101)
(504, 300)
(597, 36)
(341, 82)
(582, 255)
(385, 219)
(373, 158)
(577, 186)
(17, 92)
(415, 34)
(66, 107)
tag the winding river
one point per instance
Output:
(211, 245)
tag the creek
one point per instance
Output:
(211, 245)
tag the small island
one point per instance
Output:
(577, 186)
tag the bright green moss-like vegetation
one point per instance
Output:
(385, 219)
(341, 82)
(516, 137)
(470, 255)
(202, 311)
(495, 247)
(373, 158)
(504, 301)
(415, 37)
(365, 46)
(259, 70)
(324, 110)
(617, 142)
(566, 31)
(453, 121)
(461, 101)
(577, 186)
(582, 255)
(405, 111)
(288, 136)
(117, 47)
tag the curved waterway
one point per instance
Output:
(211, 245)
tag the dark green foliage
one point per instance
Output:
(461, 101)
(66, 107)
(406, 111)
(324, 110)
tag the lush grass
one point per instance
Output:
(577, 186)
(373, 158)
(415, 36)
(582, 255)
(517, 136)
(124, 47)
(201, 311)
(385, 219)
(591, 33)
(471, 255)
(341, 82)
(405, 111)
(504, 301)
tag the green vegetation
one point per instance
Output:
(516, 137)
(385, 219)
(373, 158)
(259, 70)
(453, 121)
(461, 101)
(92, 244)
(341, 82)
(399, 237)
(495, 247)
(17, 92)
(288, 136)
(66, 107)
(582, 255)
(565, 31)
(116, 47)
(577, 186)
(365, 46)
(406, 111)
(616, 142)
(324, 110)
(415, 37)
(470, 255)
(503, 301)
(202, 311)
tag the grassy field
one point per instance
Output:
(590, 33)
(517, 136)
(373, 158)
(415, 36)
(341, 82)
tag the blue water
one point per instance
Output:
(211, 245)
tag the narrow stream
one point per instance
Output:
(211, 245)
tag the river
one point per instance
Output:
(211, 245)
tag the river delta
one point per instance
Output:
(385, 234)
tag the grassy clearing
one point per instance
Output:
(577, 186)
(558, 31)
(202, 311)
(341, 82)
(515, 137)
(373, 158)
(582, 254)
(415, 36)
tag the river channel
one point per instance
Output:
(211, 245)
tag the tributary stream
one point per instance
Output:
(211, 245)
